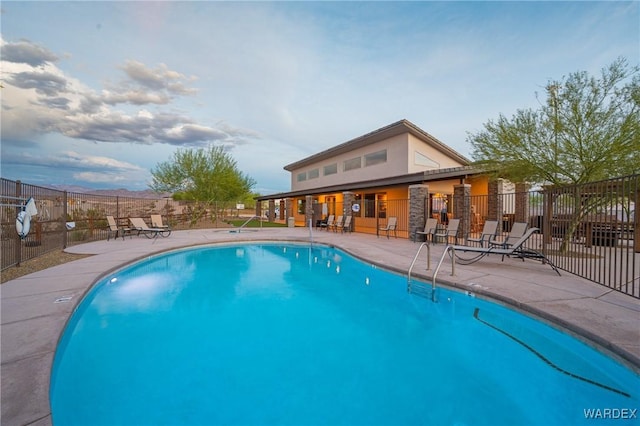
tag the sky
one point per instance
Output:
(97, 94)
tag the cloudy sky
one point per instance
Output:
(98, 93)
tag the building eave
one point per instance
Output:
(408, 179)
(394, 129)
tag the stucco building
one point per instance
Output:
(398, 170)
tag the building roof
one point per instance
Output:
(395, 129)
(408, 179)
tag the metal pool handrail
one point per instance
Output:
(414, 262)
(447, 249)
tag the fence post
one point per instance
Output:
(18, 246)
(65, 232)
(636, 217)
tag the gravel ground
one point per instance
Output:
(45, 261)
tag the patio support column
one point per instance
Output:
(522, 202)
(462, 207)
(496, 203)
(272, 210)
(349, 199)
(418, 203)
(282, 210)
(259, 208)
(308, 210)
(288, 208)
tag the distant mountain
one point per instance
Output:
(121, 192)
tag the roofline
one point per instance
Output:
(394, 129)
(408, 179)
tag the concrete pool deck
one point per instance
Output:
(36, 307)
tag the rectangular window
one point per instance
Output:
(313, 173)
(369, 205)
(331, 169)
(354, 163)
(301, 206)
(375, 158)
(302, 176)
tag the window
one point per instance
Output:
(331, 169)
(375, 158)
(422, 160)
(369, 205)
(301, 206)
(354, 163)
(313, 173)
(302, 176)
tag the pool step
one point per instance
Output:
(420, 288)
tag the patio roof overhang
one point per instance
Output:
(408, 179)
(394, 129)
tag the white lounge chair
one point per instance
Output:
(346, 226)
(516, 249)
(139, 225)
(116, 230)
(489, 231)
(392, 224)
(429, 230)
(338, 223)
(156, 222)
(517, 231)
(328, 223)
(450, 231)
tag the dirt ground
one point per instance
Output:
(56, 257)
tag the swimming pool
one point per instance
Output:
(292, 334)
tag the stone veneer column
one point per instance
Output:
(348, 198)
(272, 210)
(259, 208)
(418, 203)
(522, 202)
(495, 207)
(308, 210)
(462, 208)
(288, 207)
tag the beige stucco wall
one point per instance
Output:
(416, 144)
(396, 165)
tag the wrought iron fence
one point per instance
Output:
(69, 218)
(590, 230)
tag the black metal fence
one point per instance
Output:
(69, 218)
(591, 230)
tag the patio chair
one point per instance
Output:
(489, 231)
(517, 231)
(328, 223)
(139, 225)
(516, 249)
(338, 223)
(450, 231)
(115, 229)
(428, 231)
(346, 226)
(156, 222)
(392, 224)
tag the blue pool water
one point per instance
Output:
(296, 335)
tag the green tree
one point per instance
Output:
(585, 130)
(209, 176)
